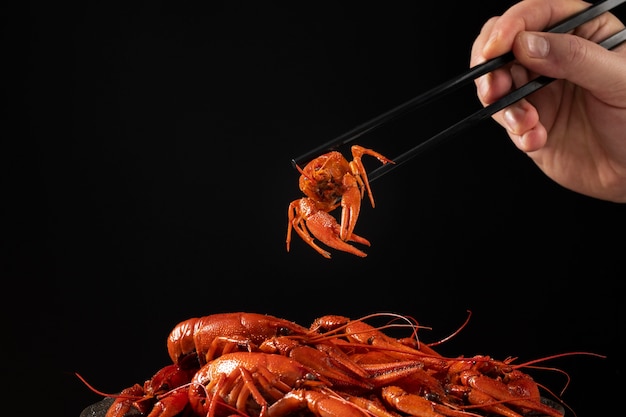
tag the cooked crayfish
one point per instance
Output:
(203, 339)
(330, 181)
(256, 365)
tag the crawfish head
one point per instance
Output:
(164, 391)
(322, 178)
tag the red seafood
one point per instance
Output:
(257, 365)
(205, 338)
(163, 395)
(330, 181)
(248, 382)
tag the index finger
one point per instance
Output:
(527, 15)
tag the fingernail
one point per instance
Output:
(511, 117)
(482, 84)
(493, 38)
(538, 46)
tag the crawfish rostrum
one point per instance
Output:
(257, 365)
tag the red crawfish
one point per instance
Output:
(330, 181)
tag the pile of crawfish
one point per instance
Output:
(256, 365)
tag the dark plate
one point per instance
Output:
(100, 408)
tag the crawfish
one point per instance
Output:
(192, 344)
(415, 379)
(330, 181)
(163, 395)
(262, 365)
(206, 338)
(196, 342)
(248, 382)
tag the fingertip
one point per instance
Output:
(511, 119)
(483, 87)
(535, 45)
(520, 117)
(521, 121)
(490, 44)
(495, 46)
(532, 140)
(478, 47)
(516, 118)
(492, 86)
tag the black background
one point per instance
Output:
(147, 176)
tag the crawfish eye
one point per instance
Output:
(431, 396)
(284, 331)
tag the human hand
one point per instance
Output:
(574, 128)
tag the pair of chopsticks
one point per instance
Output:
(451, 85)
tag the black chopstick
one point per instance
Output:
(484, 113)
(450, 86)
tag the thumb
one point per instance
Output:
(573, 58)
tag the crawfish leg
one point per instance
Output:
(358, 169)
